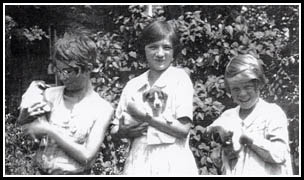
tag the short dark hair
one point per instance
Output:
(156, 31)
(77, 47)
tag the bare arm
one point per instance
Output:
(83, 153)
(130, 131)
(178, 128)
(272, 148)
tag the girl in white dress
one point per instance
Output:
(260, 135)
(78, 118)
(170, 153)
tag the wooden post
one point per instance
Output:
(149, 10)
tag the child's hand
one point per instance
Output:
(37, 128)
(132, 130)
(33, 103)
(225, 136)
(29, 114)
(245, 140)
(138, 113)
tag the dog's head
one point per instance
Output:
(156, 99)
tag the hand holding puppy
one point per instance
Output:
(138, 113)
(33, 103)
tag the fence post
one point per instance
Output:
(149, 10)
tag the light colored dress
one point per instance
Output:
(165, 155)
(267, 125)
(76, 123)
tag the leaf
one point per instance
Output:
(217, 58)
(208, 28)
(203, 146)
(226, 45)
(117, 46)
(184, 51)
(203, 160)
(204, 170)
(229, 29)
(238, 27)
(200, 129)
(258, 34)
(126, 20)
(132, 54)
(192, 38)
(115, 64)
(197, 137)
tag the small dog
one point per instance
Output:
(154, 103)
(230, 145)
(157, 100)
(33, 95)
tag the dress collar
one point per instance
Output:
(161, 82)
(253, 115)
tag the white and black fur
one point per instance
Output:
(156, 99)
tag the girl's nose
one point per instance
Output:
(160, 52)
(243, 92)
(62, 76)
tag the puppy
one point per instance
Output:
(230, 145)
(156, 101)
(33, 95)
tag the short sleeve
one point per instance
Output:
(225, 119)
(276, 141)
(121, 107)
(184, 96)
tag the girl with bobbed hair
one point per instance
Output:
(241, 63)
(260, 142)
(165, 149)
(75, 124)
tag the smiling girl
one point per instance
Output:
(173, 156)
(259, 128)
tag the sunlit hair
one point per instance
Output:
(75, 47)
(157, 31)
(246, 67)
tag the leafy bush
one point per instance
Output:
(210, 37)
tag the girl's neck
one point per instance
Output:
(75, 96)
(154, 75)
(245, 112)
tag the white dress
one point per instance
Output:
(76, 124)
(267, 125)
(171, 156)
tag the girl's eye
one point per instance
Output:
(250, 87)
(168, 48)
(152, 47)
(68, 70)
(235, 89)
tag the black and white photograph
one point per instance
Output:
(151, 89)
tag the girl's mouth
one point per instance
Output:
(244, 101)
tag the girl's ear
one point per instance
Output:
(78, 70)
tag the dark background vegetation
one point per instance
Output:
(210, 36)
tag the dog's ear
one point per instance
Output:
(145, 96)
(165, 95)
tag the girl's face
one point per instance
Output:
(70, 75)
(244, 93)
(159, 54)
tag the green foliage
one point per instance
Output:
(19, 150)
(210, 37)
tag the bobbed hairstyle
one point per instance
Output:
(244, 68)
(76, 47)
(156, 31)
